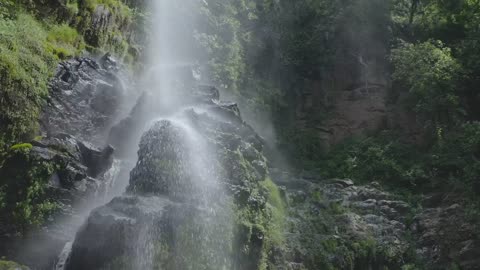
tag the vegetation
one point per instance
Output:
(34, 37)
(265, 51)
(23, 196)
(8, 265)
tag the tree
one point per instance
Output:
(430, 73)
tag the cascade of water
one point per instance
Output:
(170, 59)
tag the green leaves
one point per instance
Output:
(23, 189)
(430, 73)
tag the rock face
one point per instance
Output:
(70, 172)
(445, 236)
(199, 198)
(338, 225)
(335, 224)
(86, 96)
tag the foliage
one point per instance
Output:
(430, 73)
(383, 159)
(455, 160)
(452, 164)
(32, 43)
(26, 66)
(276, 207)
(8, 265)
(21, 146)
(24, 186)
(64, 41)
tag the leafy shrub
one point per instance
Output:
(29, 52)
(24, 186)
(25, 67)
(383, 159)
(455, 160)
(430, 74)
(64, 41)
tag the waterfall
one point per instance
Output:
(202, 222)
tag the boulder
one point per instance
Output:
(197, 197)
(85, 99)
(71, 173)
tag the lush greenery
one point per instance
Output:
(24, 200)
(265, 51)
(34, 37)
(7, 265)
(433, 60)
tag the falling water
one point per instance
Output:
(205, 233)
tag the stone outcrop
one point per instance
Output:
(445, 236)
(198, 198)
(72, 171)
(335, 224)
(73, 174)
(86, 96)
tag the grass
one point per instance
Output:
(29, 53)
(25, 67)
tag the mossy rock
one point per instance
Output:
(8, 265)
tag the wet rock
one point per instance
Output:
(162, 166)
(343, 182)
(446, 236)
(190, 168)
(352, 226)
(206, 94)
(85, 98)
(73, 175)
(112, 232)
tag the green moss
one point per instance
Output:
(336, 208)
(64, 41)
(29, 53)
(276, 207)
(24, 188)
(72, 7)
(8, 265)
(25, 67)
(21, 146)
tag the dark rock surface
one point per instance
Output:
(446, 237)
(335, 224)
(77, 179)
(86, 96)
(191, 168)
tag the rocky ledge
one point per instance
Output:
(335, 224)
(63, 172)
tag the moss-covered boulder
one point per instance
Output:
(199, 198)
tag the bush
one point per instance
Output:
(23, 188)
(64, 41)
(25, 67)
(29, 53)
(430, 74)
(383, 159)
